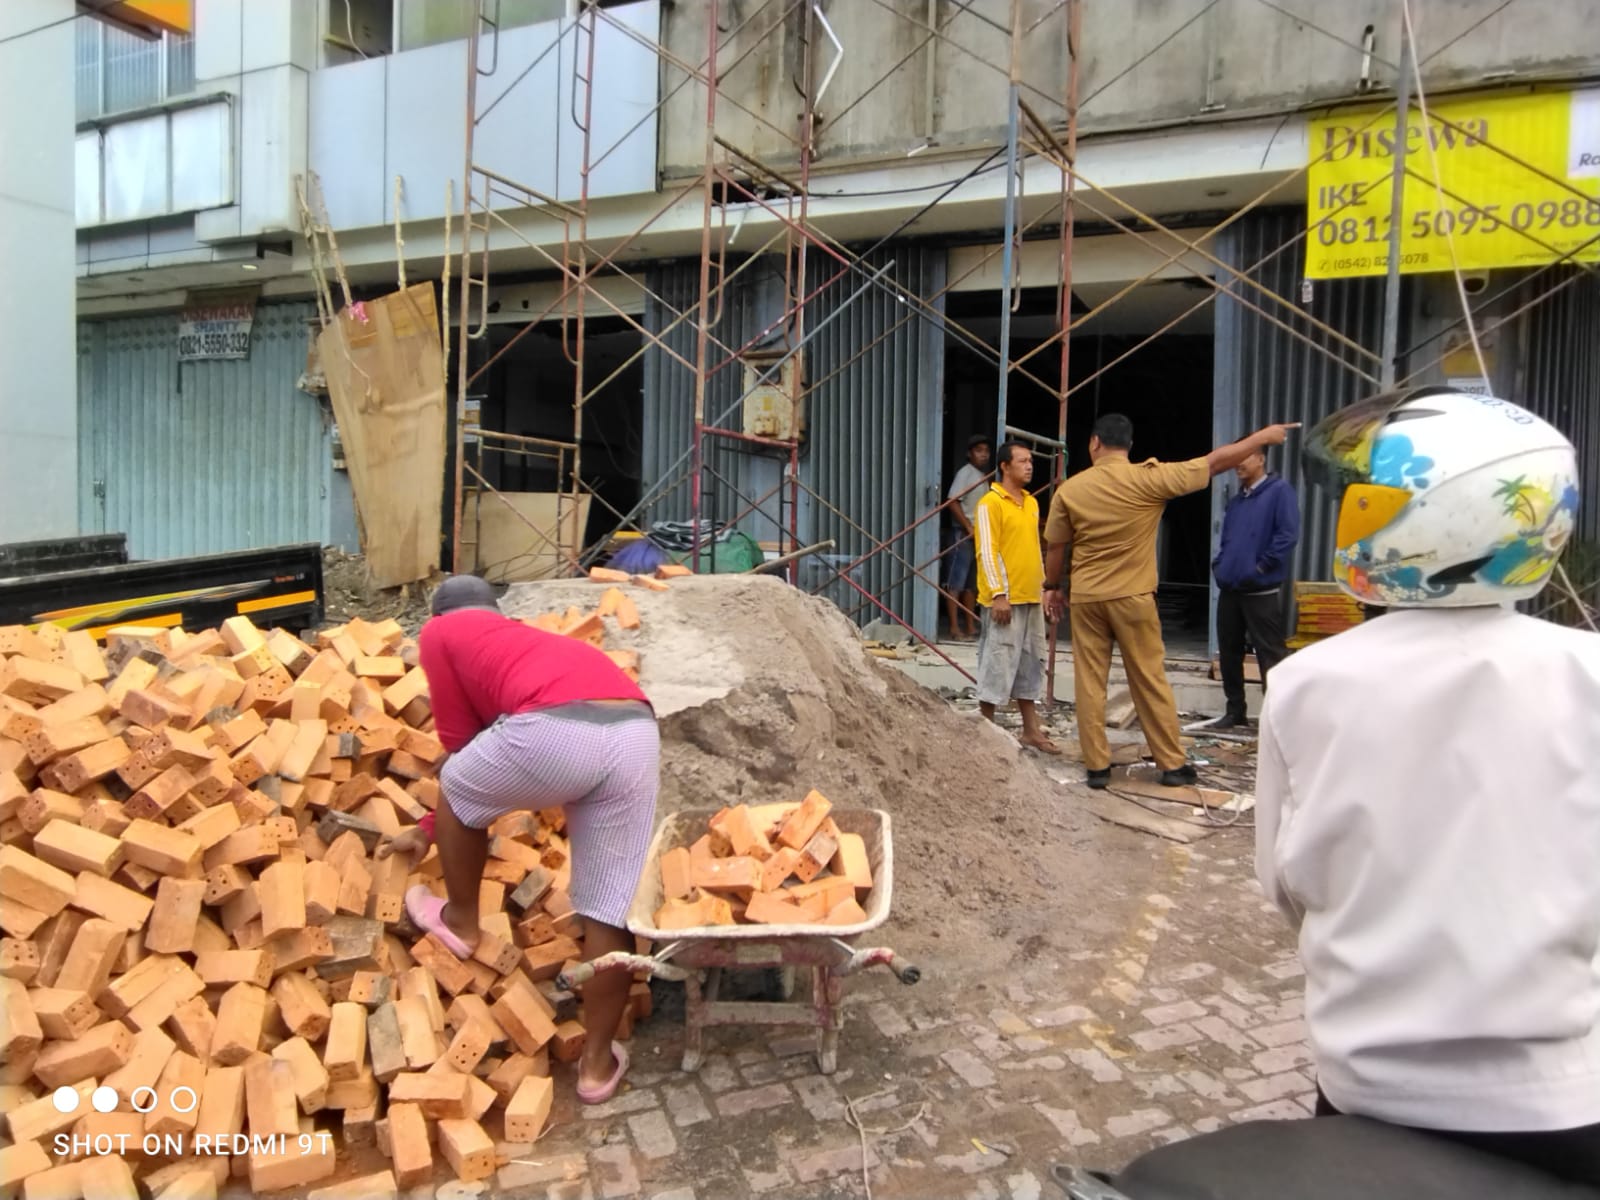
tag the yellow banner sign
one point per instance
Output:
(1510, 181)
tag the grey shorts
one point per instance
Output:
(1011, 657)
(601, 763)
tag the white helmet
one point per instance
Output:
(1446, 498)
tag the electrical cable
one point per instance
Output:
(1236, 820)
(350, 29)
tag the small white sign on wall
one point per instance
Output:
(216, 325)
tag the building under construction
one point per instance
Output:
(757, 269)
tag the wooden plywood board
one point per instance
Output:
(508, 550)
(1121, 811)
(386, 381)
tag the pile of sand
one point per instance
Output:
(765, 692)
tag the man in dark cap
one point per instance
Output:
(533, 720)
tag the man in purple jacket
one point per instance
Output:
(1259, 531)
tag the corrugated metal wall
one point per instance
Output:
(874, 415)
(1561, 376)
(206, 457)
(749, 302)
(1263, 374)
(873, 425)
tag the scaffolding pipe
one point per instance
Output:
(1069, 179)
(1008, 259)
(1387, 366)
(456, 560)
(797, 297)
(581, 318)
(697, 449)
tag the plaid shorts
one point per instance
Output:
(599, 762)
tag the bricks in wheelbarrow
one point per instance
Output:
(818, 853)
(851, 861)
(802, 824)
(704, 910)
(677, 878)
(738, 875)
(800, 869)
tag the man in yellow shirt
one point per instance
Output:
(1012, 644)
(1109, 515)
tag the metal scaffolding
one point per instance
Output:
(813, 261)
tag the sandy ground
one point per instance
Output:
(765, 693)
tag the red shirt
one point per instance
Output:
(482, 666)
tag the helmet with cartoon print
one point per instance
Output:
(1445, 498)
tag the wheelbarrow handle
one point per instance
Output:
(581, 973)
(904, 971)
(859, 960)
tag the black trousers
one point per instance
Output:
(1256, 617)
(1571, 1154)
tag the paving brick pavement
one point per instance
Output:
(965, 1087)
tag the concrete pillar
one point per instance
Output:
(261, 52)
(38, 231)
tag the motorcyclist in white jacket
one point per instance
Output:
(1428, 803)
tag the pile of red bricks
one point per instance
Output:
(196, 920)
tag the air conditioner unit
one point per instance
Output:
(771, 405)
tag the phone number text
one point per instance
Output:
(1525, 217)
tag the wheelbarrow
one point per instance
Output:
(699, 956)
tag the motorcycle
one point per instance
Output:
(1327, 1158)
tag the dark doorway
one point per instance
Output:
(1164, 387)
(531, 392)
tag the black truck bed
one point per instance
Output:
(278, 586)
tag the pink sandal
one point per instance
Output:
(427, 912)
(608, 1089)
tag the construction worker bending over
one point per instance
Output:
(1012, 643)
(1426, 809)
(1109, 515)
(533, 720)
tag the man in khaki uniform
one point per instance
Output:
(1109, 515)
